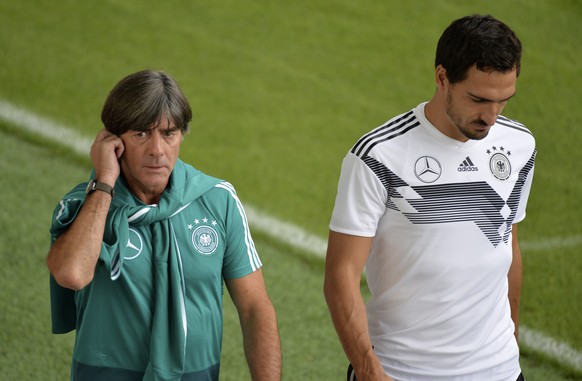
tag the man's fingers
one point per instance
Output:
(105, 153)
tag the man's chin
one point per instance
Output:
(156, 179)
(478, 133)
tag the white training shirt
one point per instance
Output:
(441, 213)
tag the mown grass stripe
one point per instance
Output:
(294, 235)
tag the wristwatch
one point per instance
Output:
(97, 185)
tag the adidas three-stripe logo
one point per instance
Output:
(467, 165)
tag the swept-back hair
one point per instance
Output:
(479, 40)
(141, 100)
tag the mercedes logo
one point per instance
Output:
(427, 169)
(134, 245)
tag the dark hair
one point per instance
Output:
(140, 100)
(479, 40)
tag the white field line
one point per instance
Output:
(560, 352)
(45, 127)
(294, 235)
(551, 243)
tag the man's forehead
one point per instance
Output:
(490, 75)
(490, 85)
(164, 124)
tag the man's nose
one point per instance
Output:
(491, 113)
(156, 145)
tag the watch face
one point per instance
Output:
(96, 185)
(90, 186)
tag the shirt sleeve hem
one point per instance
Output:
(359, 233)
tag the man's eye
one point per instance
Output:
(141, 134)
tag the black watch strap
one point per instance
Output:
(98, 185)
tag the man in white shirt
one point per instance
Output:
(428, 203)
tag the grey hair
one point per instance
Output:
(141, 100)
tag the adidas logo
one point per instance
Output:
(467, 165)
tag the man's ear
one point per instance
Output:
(441, 77)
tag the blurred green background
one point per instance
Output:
(280, 91)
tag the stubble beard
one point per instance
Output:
(462, 126)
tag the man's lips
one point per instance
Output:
(481, 126)
(155, 167)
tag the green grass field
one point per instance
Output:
(280, 91)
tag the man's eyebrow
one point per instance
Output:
(171, 127)
(477, 97)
